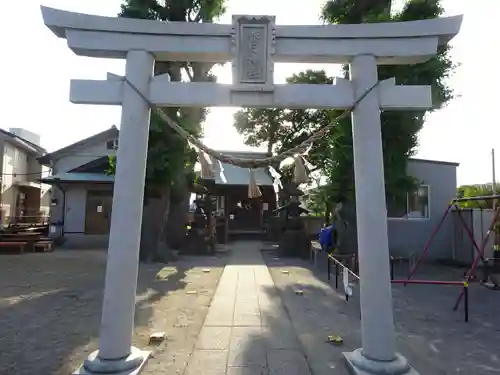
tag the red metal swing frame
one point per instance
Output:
(479, 249)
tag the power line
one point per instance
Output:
(24, 174)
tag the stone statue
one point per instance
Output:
(293, 240)
(200, 217)
(198, 234)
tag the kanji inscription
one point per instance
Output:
(253, 46)
(253, 54)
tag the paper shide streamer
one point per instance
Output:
(301, 168)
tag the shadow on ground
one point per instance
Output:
(50, 307)
(435, 339)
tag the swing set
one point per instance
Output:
(341, 260)
(479, 248)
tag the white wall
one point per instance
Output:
(81, 156)
(46, 193)
(76, 198)
(74, 202)
(20, 166)
(411, 235)
(15, 161)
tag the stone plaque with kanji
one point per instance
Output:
(253, 45)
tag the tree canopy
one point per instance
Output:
(168, 153)
(333, 154)
(170, 163)
(478, 190)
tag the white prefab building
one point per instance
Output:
(82, 191)
(253, 44)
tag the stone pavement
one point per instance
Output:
(258, 325)
(433, 338)
(247, 330)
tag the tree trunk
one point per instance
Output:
(347, 229)
(153, 243)
(177, 220)
(155, 212)
(269, 147)
(328, 214)
(164, 252)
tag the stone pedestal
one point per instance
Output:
(294, 243)
(358, 364)
(195, 243)
(130, 365)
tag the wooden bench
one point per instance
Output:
(20, 245)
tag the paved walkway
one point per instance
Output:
(247, 330)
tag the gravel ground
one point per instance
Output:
(435, 339)
(50, 308)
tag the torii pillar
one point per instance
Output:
(378, 355)
(254, 44)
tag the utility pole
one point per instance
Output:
(493, 175)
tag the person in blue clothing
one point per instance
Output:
(328, 238)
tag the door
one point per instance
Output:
(247, 214)
(98, 212)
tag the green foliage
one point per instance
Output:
(281, 129)
(333, 154)
(260, 126)
(318, 199)
(470, 191)
(169, 156)
(111, 170)
(174, 10)
(349, 11)
(399, 129)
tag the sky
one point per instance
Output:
(37, 68)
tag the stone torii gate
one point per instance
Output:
(253, 44)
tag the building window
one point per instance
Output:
(112, 144)
(417, 205)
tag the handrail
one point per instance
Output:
(340, 263)
(464, 284)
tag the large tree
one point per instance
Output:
(280, 129)
(399, 129)
(334, 154)
(170, 160)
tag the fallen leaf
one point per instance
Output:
(156, 337)
(165, 272)
(335, 339)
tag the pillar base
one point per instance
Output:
(131, 365)
(357, 364)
